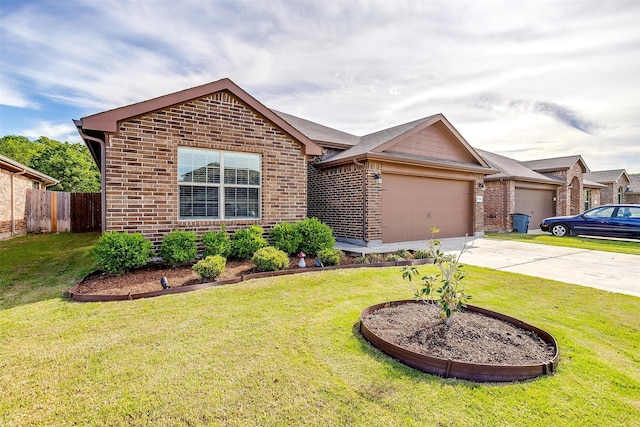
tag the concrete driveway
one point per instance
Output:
(609, 271)
(601, 270)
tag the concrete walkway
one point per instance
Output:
(608, 271)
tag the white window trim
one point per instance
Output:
(221, 186)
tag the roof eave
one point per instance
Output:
(108, 121)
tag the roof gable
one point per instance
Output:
(607, 176)
(556, 164)
(108, 121)
(430, 139)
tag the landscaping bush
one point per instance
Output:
(403, 254)
(120, 252)
(286, 237)
(270, 259)
(178, 247)
(422, 254)
(316, 236)
(216, 243)
(393, 258)
(245, 242)
(330, 256)
(210, 267)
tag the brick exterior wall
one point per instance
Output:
(499, 203)
(478, 206)
(610, 194)
(336, 198)
(570, 200)
(142, 176)
(20, 186)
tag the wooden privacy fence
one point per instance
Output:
(54, 211)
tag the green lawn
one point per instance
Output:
(285, 351)
(621, 246)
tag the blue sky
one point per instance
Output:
(525, 79)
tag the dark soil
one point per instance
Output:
(471, 337)
(147, 278)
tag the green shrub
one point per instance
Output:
(403, 254)
(362, 260)
(210, 267)
(393, 258)
(120, 252)
(216, 243)
(178, 247)
(270, 259)
(422, 254)
(374, 257)
(330, 256)
(286, 237)
(316, 236)
(245, 242)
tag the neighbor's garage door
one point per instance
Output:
(412, 205)
(538, 204)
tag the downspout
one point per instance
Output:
(364, 201)
(103, 180)
(13, 201)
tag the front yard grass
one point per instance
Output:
(286, 351)
(620, 246)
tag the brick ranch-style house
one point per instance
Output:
(615, 182)
(538, 188)
(214, 155)
(15, 180)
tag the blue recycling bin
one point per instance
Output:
(521, 222)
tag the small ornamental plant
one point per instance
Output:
(211, 267)
(330, 256)
(178, 247)
(446, 286)
(118, 252)
(270, 258)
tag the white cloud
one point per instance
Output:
(356, 65)
(12, 97)
(57, 131)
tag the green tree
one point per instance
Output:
(19, 148)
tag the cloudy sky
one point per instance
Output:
(525, 79)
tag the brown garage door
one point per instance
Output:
(412, 205)
(537, 203)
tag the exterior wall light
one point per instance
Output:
(481, 186)
(378, 177)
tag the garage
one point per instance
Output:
(537, 203)
(411, 205)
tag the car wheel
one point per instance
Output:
(559, 230)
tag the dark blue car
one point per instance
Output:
(606, 220)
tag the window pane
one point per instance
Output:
(198, 165)
(241, 202)
(241, 169)
(199, 202)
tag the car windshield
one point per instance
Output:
(603, 212)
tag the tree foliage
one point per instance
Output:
(69, 163)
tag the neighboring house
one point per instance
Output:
(570, 169)
(198, 159)
(516, 189)
(539, 188)
(213, 155)
(15, 179)
(633, 193)
(616, 183)
(396, 184)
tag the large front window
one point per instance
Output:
(218, 184)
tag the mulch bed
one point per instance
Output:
(471, 337)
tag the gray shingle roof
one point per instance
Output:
(634, 185)
(513, 169)
(605, 176)
(317, 132)
(555, 163)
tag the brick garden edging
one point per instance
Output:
(190, 288)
